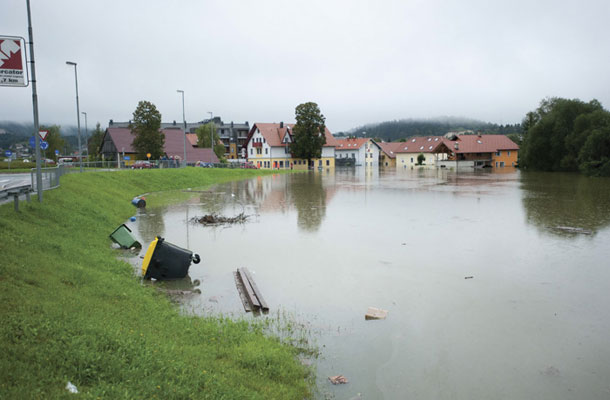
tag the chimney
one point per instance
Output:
(174, 122)
(281, 124)
(111, 122)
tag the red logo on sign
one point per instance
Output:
(10, 54)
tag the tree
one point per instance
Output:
(421, 158)
(550, 141)
(308, 134)
(95, 142)
(146, 126)
(55, 141)
(204, 136)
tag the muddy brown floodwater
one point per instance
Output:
(488, 295)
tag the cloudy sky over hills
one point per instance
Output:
(361, 61)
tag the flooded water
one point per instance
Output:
(497, 284)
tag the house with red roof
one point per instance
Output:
(361, 151)
(268, 147)
(387, 153)
(117, 144)
(478, 151)
(407, 153)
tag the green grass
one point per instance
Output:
(71, 311)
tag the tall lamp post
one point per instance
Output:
(34, 105)
(80, 157)
(183, 119)
(86, 134)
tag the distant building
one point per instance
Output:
(268, 147)
(230, 134)
(117, 143)
(363, 151)
(387, 153)
(408, 152)
(480, 151)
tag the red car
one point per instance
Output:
(142, 164)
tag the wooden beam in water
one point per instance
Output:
(242, 292)
(249, 292)
(257, 292)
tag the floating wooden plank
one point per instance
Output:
(242, 292)
(249, 290)
(375, 313)
(257, 292)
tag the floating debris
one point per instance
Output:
(338, 380)
(469, 277)
(375, 313)
(214, 219)
(249, 293)
(570, 229)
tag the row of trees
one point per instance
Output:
(567, 135)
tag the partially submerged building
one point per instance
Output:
(268, 147)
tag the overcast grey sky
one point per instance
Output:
(361, 61)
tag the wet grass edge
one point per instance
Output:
(71, 311)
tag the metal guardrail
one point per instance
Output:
(15, 192)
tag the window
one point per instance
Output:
(501, 164)
(281, 164)
(251, 151)
(508, 153)
(327, 163)
(266, 151)
(411, 159)
(499, 153)
(353, 155)
(259, 150)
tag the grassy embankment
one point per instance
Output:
(71, 311)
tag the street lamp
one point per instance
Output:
(80, 158)
(184, 119)
(86, 134)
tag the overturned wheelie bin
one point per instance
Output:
(166, 261)
(123, 237)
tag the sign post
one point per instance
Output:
(12, 61)
(9, 154)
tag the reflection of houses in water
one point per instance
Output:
(308, 193)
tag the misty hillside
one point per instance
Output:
(391, 131)
(12, 133)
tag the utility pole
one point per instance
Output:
(35, 106)
(183, 119)
(86, 135)
(80, 154)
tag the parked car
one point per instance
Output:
(248, 166)
(142, 164)
(48, 161)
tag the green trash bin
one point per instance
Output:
(123, 237)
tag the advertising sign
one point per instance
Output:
(12, 61)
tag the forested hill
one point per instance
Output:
(392, 131)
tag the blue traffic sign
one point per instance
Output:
(8, 153)
(56, 152)
(32, 141)
(44, 145)
(126, 158)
